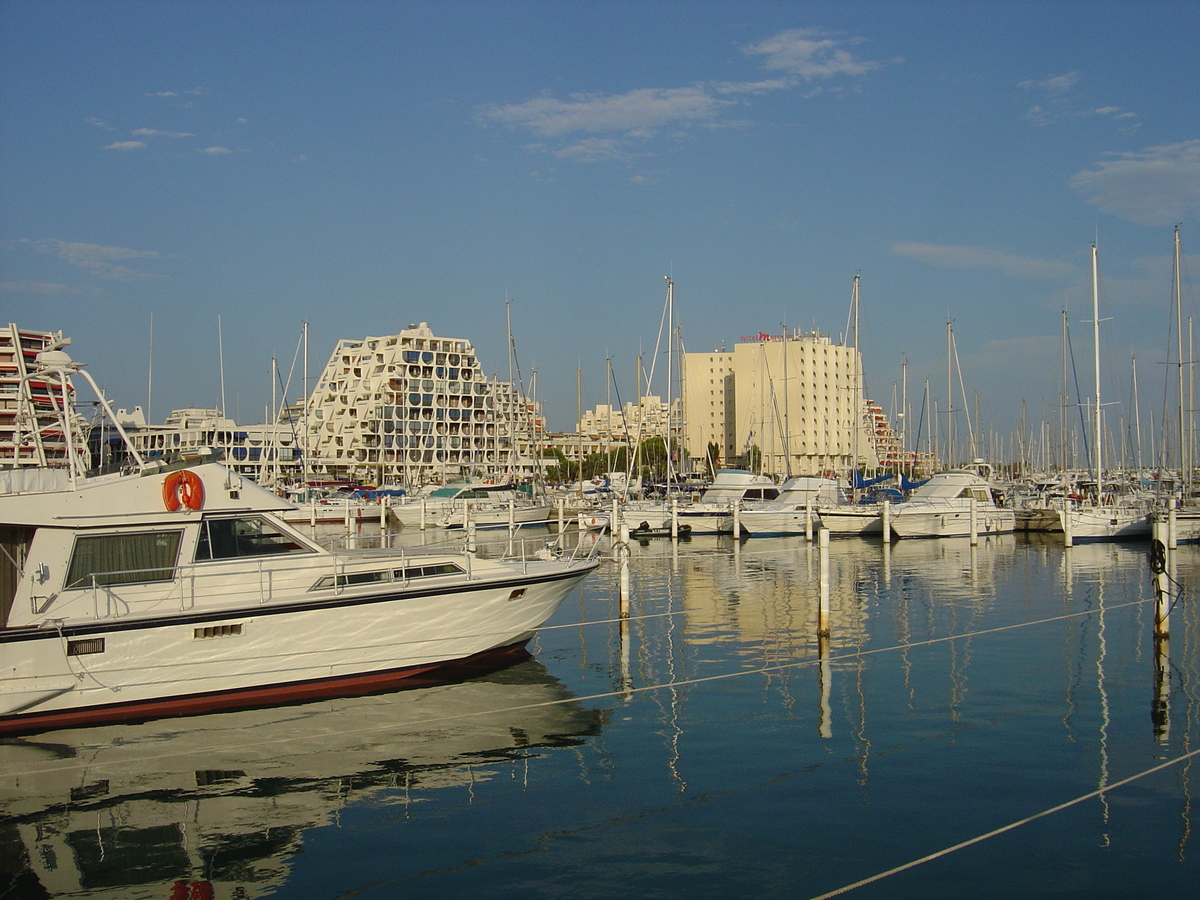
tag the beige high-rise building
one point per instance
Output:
(797, 397)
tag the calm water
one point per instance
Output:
(710, 750)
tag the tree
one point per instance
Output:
(753, 458)
(713, 454)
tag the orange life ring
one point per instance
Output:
(182, 489)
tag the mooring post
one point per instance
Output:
(1064, 513)
(886, 517)
(1172, 523)
(808, 518)
(974, 522)
(1162, 560)
(674, 518)
(737, 519)
(823, 577)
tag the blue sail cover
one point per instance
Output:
(907, 485)
(857, 480)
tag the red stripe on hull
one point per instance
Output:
(272, 695)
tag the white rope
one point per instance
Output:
(991, 834)
(609, 695)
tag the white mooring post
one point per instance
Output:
(886, 517)
(808, 519)
(974, 522)
(674, 518)
(823, 609)
(737, 520)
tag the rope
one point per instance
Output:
(991, 834)
(623, 693)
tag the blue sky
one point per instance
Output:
(362, 166)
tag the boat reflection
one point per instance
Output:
(217, 805)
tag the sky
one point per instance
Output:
(183, 185)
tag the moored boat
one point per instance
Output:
(950, 504)
(175, 587)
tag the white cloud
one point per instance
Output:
(154, 132)
(1055, 85)
(592, 150)
(638, 111)
(753, 87)
(162, 94)
(103, 262)
(618, 120)
(810, 53)
(1060, 103)
(215, 151)
(1155, 186)
(36, 287)
(959, 257)
(125, 146)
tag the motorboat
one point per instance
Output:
(485, 504)
(712, 511)
(174, 586)
(953, 504)
(794, 511)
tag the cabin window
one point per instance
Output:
(236, 538)
(131, 558)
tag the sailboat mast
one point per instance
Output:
(670, 367)
(1183, 437)
(1098, 428)
(855, 417)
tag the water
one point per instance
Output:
(712, 748)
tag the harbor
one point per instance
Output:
(559, 450)
(990, 719)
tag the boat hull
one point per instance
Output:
(204, 661)
(1103, 523)
(950, 522)
(852, 521)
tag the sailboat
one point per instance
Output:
(1187, 516)
(852, 515)
(1103, 515)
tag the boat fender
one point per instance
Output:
(182, 489)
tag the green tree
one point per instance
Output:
(752, 460)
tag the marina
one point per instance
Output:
(995, 720)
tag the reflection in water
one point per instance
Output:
(736, 751)
(220, 802)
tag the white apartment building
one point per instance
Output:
(415, 408)
(798, 397)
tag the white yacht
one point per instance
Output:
(794, 511)
(175, 587)
(945, 505)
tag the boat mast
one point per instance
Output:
(579, 423)
(855, 416)
(1184, 456)
(670, 346)
(305, 392)
(1098, 429)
